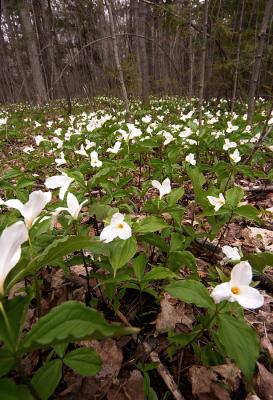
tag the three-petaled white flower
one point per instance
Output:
(95, 162)
(33, 207)
(238, 289)
(61, 160)
(217, 202)
(117, 228)
(10, 249)
(229, 145)
(59, 181)
(82, 151)
(73, 206)
(190, 158)
(114, 149)
(231, 253)
(235, 156)
(163, 188)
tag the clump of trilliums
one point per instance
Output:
(238, 288)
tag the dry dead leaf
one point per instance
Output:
(265, 383)
(172, 313)
(267, 345)
(128, 389)
(263, 235)
(207, 382)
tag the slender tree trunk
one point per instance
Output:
(32, 48)
(203, 61)
(116, 55)
(237, 58)
(258, 60)
(191, 65)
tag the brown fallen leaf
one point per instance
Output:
(265, 383)
(172, 312)
(207, 382)
(267, 345)
(131, 388)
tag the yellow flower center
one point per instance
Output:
(120, 226)
(235, 290)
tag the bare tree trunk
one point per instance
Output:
(36, 69)
(237, 58)
(258, 60)
(116, 55)
(191, 65)
(203, 61)
(142, 46)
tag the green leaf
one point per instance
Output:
(84, 361)
(46, 379)
(60, 349)
(7, 361)
(192, 292)
(234, 196)
(121, 251)
(247, 211)
(155, 240)
(139, 264)
(158, 273)
(178, 259)
(56, 250)
(174, 196)
(240, 342)
(10, 391)
(15, 310)
(69, 322)
(198, 180)
(260, 261)
(150, 224)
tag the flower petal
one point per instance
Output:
(36, 203)
(125, 232)
(231, 253)
(117, 218)
(221, 292)
(10, 248)
(14, 203)
(108, 234)
(241, 274)
(249, 297)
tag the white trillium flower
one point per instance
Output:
(59, 142)
(28, 149)
(39, 139)
(117, 228)
(82, 151)
(59, 181)
(89, 144)
(95, 162)
(235, 156)
(229, 145)
(10, 249)
(238, 289)
(163, 188)
(217, 202)
(60, 161)
(114, 149)
(231, 253)
(190, 158)
(33, 207)
(73, 207)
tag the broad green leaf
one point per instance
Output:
(192, 292)
(174, 196)
(150, 224)
(155, 240)
(58, 249)
(247, 211)
(121, 251)
(234, 196)
(240, 341)
(260, 261)
(178, 259)
(69, 322)
(7, 362)
(84, 361)
(139, 264)
(60, 349)
(198, 180)
(158, 273)
(46, 379)
(10, 391)
(15, 310)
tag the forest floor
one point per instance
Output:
(183, 238)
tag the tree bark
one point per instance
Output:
(258, 61)
(33, 54)
(116, 55)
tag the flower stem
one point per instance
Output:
(36, 284)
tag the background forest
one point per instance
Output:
(57, 48)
